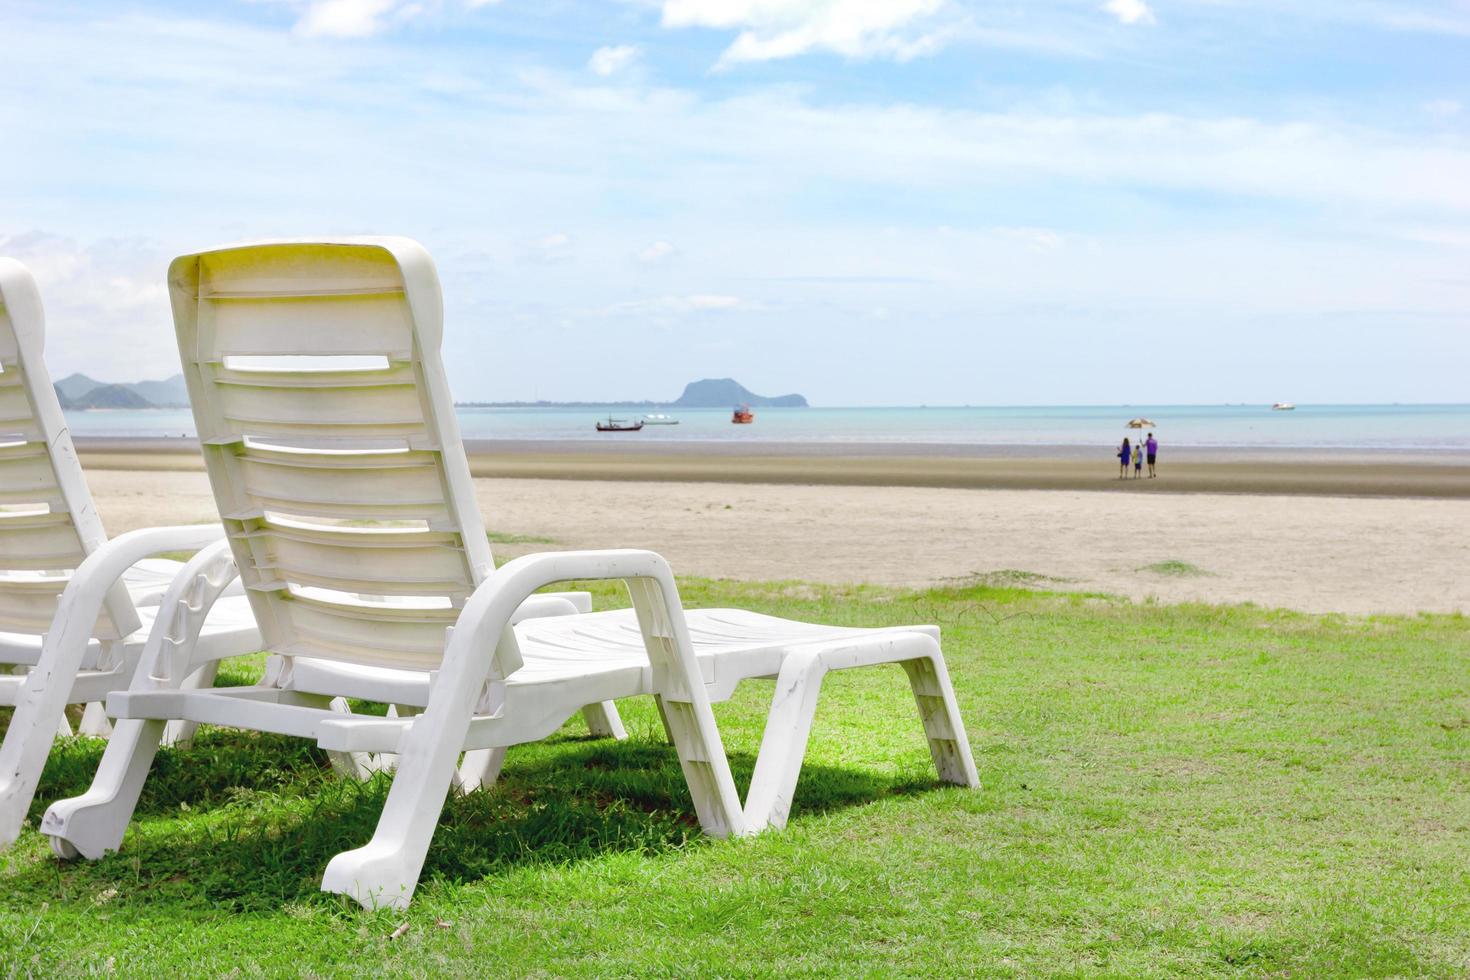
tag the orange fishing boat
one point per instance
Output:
(743, 415)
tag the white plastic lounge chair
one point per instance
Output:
(95, 620)
(333, 450)
(73, 608)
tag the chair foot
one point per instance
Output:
(94, 823)
(376, 877)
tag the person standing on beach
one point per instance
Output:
(1138, 460)
(1124, 452)
(1153, 454)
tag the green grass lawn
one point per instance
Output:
(1168, 790)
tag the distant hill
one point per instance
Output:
(79, 392)
(109, 396)
(723, 392)
(74, 386)
(168, 393)
(708, 393)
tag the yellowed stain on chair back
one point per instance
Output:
(331, 443)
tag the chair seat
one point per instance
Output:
(731, 644)
(150, 578)
(230, 631)
(146, 582)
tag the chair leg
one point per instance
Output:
(94, 721)
(40, 715)
(684, 706)
(940, 714)
(604, 721)
(794, 705)
(92, 824)
(783, 745)
(385, 872)
(479, 769)
(708, 774)
(663, 719)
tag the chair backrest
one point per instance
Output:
(48, 523)
(331, 443)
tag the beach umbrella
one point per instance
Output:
(1140, 423)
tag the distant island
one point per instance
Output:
(80, 393)
(707, 393)
(77, 392)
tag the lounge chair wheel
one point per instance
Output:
(63, 849)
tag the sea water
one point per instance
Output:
(1431, 428)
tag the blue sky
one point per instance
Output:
(867, 201)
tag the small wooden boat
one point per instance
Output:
(657, 419)
(618, 425)
(743, 415)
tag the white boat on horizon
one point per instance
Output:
(1283, 407)
(658, 419)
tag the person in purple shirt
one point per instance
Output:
(1152, 447)
(1125, 452)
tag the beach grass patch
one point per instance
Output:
(1173, 568)
(1013, 577)
(502, 537)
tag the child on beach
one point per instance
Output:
(1153, 453)
(1124, 452)
(1138, 461)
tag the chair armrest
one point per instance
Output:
(43, 697)
(486, 618)
(81, 601)
(498, 597)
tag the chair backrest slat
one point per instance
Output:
(331, 444)
(48, 524)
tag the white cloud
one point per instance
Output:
(672, 306)
(1451, 237)
(555, 247)
(656, 252)
(712, 302)
(773, 29)
(1130, 11)
(106, 304)
(345, 18)
(609, 60)
(1038, 239)
(364, 18)
(1443, 108)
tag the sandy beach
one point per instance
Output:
(1337, 535)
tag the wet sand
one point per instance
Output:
(1374, 539)
(961, 467)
